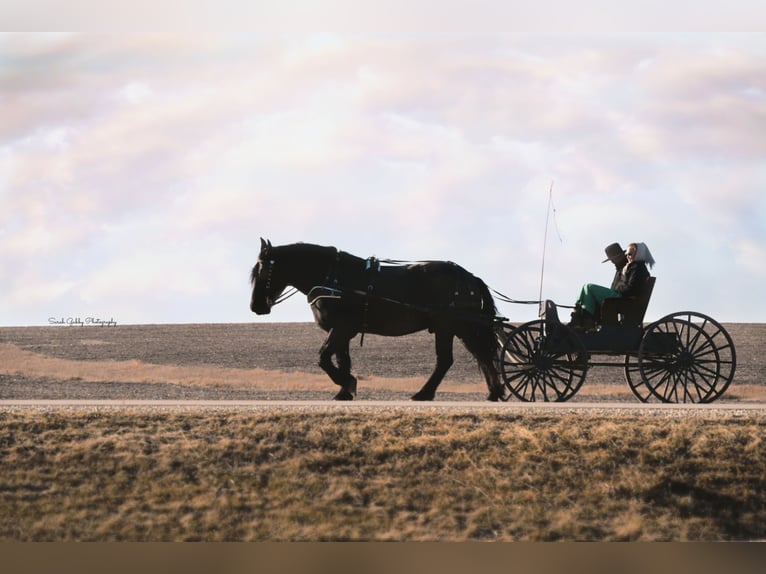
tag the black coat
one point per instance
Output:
(630, 284)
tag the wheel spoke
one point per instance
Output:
(557, 375)
(664, 381)
(521, 388)
(703, 381)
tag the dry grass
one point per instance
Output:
(288, 475)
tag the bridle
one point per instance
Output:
(284, 295)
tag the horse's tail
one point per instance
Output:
(481, 341)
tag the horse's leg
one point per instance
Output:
(343, 357)
(493, 381)
(484, 354)
(482, 344)
(337, 344)
(444, 360)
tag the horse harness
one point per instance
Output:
(371, 272)
(464, 293)
(363, 284)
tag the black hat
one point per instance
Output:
(614, 252)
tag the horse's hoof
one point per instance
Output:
(343, 395)
(421, 396)
(492, 397)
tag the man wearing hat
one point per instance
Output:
(630, 274)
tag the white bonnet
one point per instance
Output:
(643, 254)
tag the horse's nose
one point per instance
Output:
(263, 309)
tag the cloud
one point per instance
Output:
(136, 92)
(126, 160)
(750, 257)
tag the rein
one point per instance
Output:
(285, 296)
(506, 299)
(372, 261)
(500, 296)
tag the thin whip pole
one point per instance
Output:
(545, 240)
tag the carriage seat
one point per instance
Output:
(627, 310)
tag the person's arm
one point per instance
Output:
(617, 279)
(635, 275)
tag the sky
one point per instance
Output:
(139, 171)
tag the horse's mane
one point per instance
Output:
(301, 249)
(305, 253)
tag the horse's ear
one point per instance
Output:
(265, 244)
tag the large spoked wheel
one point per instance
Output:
(542, 364)
(684, 357)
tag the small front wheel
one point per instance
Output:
(542, 363)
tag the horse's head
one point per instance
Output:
(266, 281)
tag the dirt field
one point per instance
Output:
(274, 360)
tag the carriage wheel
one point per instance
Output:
(685, 357)
(502, 331)
(541, 364)
(635, 379)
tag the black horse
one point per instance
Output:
(350, 295)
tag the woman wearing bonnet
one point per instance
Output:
(631, 272)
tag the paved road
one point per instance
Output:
(722, 409)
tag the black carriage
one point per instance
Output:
(683, 357)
